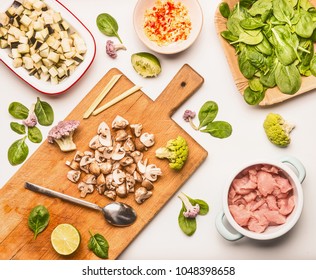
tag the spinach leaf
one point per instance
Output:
(255, 85)
(17, 127)
(108, 25)
(219, 129)
(247, 3)
(260, 7)
(227, 35)
(187, 225)
(204, 208)
(288, 78)
(312, 66)
(38, 219)
(304, 26)
(99, 245)
(251, 23)
(237, 14)
(268, 79)
(245, 66)
(224, 9)
(18, 110)
(283, 10)
(44, 113)
(249, 39)
(207, 113)
(264, 47)
(34, 134)
(253, 97)
(18, 152)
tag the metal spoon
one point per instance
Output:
(116, 213)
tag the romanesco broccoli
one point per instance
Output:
(176, 151)
(277, 129)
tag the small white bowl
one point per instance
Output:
(75, 25)
(295, 178)
(196, 17)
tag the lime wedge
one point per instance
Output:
(146, 64)
(65, 239)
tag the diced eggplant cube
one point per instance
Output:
(54, 80)
(38, 5)
(16, 4)
(38, 65)
(25, 20)
(39, 36)
(38, 25)
(44, 46)
(44, 69)
(10, 12)
(50, 29)
(23, 48)
(36, 57)
(23, 40)
(65, 44)
(70, 54)
(14, 44)
(15, 53)
(32, 72)
(61, 72)
(38, 44)
(45, 33)
(19, 10)
(48, 19)
(28, 62)
(69, 62)
(17, 62)
(53, 71)
(3, 44)
(32, 40)
(63, 34)
(53, 57)
(48, 63)
(44, 53)
(44, 76)
(78, 58)
(4, 19)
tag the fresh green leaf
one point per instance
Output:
(204, 208)
(44, 113)
(224, 9)
(108, 25)
(99, 245)
(313, 66)
(17, 127)
(260, 7)
(288, 78)
(187, 225)
(34, 134)
(249, 39)
(18, 152)
(38, 219)
(251, 23)
(219, 129)
(207, 113)
(283, 10)
(253, 97)
(305, 25)
(18, 110)
(227, 35)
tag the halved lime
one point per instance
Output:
(146, 64)
(65, 239)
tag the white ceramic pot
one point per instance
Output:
(287, 165)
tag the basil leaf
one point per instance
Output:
(18, 110)
(108, 25)
(44, 113)
(38, 219)
(187, 225)
(207, 113)
(18, 152)
(99, 245)
(17, 127)
(34, 134)
(219, 129)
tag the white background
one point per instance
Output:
(162, 238)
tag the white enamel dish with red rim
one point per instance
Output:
(75, 25)
(196, 18)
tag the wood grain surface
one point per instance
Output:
(46, 167)
(273, 95)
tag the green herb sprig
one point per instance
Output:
(99, 245)
(38, 219)
(108, 25)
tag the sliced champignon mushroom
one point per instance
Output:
(78, 156)
(152, 172)
(137, 156)
(129, 145)
(139, 146)
(121, 135)
(141, 194)
(130, 183)
(125, 161)
(73, 175)
(85, 189)
(108, 152)
(89, 179)
(141, 166)
(99, 156)
(101, 189)
(106, 167)
(109, 181)
(130, 168)
(147, 139)
(73, 164)
(138, 178)
(95, 143)
(110, 194)
(100, 180)
(118, 152)
(147, 184)
(85, 162)
(137, 129)
(104, 133)
(119, 123)
(94, 168)
(121, 190)
(118, 176)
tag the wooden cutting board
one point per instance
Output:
(273, 95)
(46, 167)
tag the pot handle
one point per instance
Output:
(221, 228)
(301, 172)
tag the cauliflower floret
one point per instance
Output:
(277, 129)
(176, 151)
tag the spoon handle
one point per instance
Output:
(49, 192)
